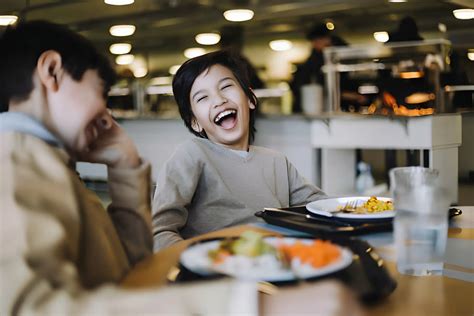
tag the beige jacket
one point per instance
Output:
(56, 238)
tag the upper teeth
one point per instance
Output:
(222, 114)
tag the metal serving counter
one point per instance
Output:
(339, 135)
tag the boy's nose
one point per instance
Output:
(219, 100)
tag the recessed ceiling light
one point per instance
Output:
(330, 26)
(194, 52)
(120, 48)
(381, 36)
(442, 27)
(119, 2)
(122, 30)
(8, 19)
(470, 54)
(464, 14)
(140, 72)
(125, 59)
(208, 38)
(281, 45)
(174, 69)
(397, 1)
(238, 15)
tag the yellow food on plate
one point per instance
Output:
(372, 205)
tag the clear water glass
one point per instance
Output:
(421, 221)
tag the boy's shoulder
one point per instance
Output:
(28, 156)
(191, 145)
(197, 146)
(191, 149)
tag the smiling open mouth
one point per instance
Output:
(226, 118)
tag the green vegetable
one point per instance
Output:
(251, 244)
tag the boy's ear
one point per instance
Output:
(195, 125)
(251, 105)
(49, 68)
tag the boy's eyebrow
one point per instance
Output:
(221, 80)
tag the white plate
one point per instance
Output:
(263, 268)
(332, 205)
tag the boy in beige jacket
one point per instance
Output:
(58, 244)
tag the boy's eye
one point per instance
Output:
(226, 86)
(201, 98)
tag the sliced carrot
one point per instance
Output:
(318, 254)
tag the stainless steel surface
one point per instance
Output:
(431, 56)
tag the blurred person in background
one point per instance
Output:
(310, 72)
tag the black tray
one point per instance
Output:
(298, 218)
(367, 274)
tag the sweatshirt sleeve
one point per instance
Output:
(301, 190)
(175, 188)
(129, 210)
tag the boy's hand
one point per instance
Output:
(113, 147)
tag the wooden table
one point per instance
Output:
(427, 295)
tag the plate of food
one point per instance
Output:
(272, 259)
(354, 208)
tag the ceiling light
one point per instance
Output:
(119, 2)
(194, 52)
(281, 45)
(330, 26)
(120, 48)
(122, 30)
(470, 54)
(464, 14)
(140, 72)
(238, 15)
(174, 69)
(381, 36)
(125, 59)
(208, 38)
(397, 1)
(442, 27)
(8, 19)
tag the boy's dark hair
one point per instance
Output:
(192, 68)
(23, 43)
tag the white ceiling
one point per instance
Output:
(166, 27)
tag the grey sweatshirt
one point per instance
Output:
(205, 186)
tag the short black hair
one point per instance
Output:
(318, 30)
(192, 68)
(21, 46)
(407, 31)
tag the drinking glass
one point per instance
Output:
(421, 220)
